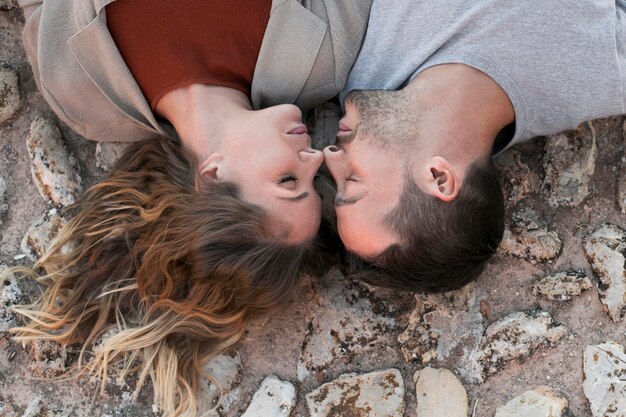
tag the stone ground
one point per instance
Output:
(541, 333)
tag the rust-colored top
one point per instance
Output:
(168, 44)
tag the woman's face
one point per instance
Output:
(268, 155)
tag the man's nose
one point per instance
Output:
(335, 159)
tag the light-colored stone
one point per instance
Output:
(606, 251)
(107, 154)
(439, 392)
(516, 337)
(10, 295)
(375, 394)
(10, 101)
(54, 169)
(3, 200)
(528, 238)
(516, 177)
(34, 408)
(539, 402)
(443, 325)
(569, 162)
(224, 390)
(42, 232)
(342, 323)
(562, 285)
(275, 398)
(604, 382)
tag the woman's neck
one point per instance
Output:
(200, 112)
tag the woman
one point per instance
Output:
(207, 222)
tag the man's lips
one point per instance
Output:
(343, 128)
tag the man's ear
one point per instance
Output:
(210, 171)
(440, 179)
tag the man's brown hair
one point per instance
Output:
(443, 245)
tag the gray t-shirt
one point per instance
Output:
(559, 61)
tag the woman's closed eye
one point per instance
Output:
(288, 181)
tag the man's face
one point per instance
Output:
(368, 171)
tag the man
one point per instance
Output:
(439, 89)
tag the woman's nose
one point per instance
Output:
(312, 157)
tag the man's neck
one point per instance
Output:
(461, 111)
(200, 113)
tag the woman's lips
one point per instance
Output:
(298, 130)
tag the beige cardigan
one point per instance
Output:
(308, 49)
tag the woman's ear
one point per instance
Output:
(440, 179)
(210, 171)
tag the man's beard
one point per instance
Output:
(385, 118)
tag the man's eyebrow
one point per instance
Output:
(296, 198)
(340, 201)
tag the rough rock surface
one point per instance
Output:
(49, 359)
(516, 177)
(442, 325)
(621, 179)
(517, 336)
(375, 394)
(562, 285)
(606, 250)
(275, 348)
(539, 402)
(10, 295)
(528, 237)
(569, 162)
(224, 390)
(342, 322)
(605, 379)
(275, 398)
(3, 203)
(107, 153)
(42, 232)
(621, 188)
(8, 4)
(10, 101)
(54, 169)
(439, 392)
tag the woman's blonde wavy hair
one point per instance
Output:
(157, 278)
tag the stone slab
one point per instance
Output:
(54, 169)
(516, 337)
(605, 248)
(375, 394)
(539, 402)
(562, 285)
(604, 384)
(275, 398)
(439, 392)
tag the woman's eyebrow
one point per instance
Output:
(296, 198)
